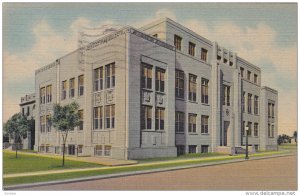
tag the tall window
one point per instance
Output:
(177, 42)
(110, 116)
(255, 104)
(110, 75)
(43, 123)
(250, 128)
(204, 91)
(249, 75)
(192, 123)
(64, 90)
(203, 54)
(179, 84)
(204, 124)
(49, 93)
(98, 79)
(48, 125)
(226, 95)
(98, 117)
(147, 77)
(243, 128)
(192, 87)
(81, 85)
(270, 130)
(192, 48)
(146, 117)
(242, 71)
(249, 103)
(273, 110)
(179, 122)
(255, 79)
(72, 87)
(255, 129)
(243, 102)
(80, 119)
(159, 119)
(160, 80)
(42, 95)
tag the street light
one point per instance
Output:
(246, 128)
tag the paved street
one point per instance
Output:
(266, 174)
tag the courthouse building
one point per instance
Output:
(161, 90)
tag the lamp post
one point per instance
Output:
(246, 128)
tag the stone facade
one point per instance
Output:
(142, 95)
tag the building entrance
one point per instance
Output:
(224, 134)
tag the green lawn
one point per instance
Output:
(287, 146)
(181, 157)
(32, 163)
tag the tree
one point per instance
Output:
(279, 140)
(295, 135)
(16, 127)
(64, 119)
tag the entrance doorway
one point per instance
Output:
(225, 132)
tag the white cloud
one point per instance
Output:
(160, 13)
(49, 44)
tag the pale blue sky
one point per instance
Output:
(20, 18)
(274, 24)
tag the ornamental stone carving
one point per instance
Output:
(110, 97)
(98, 100)
(160, 100)
(147, 96)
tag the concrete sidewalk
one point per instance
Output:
(143, 171)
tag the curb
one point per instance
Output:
(13, 187)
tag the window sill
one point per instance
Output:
(193, 134)
(159, 92)
(152, 130)
(182, 133)
(147, 89)
(111, 88)
(102, 130)
(195, 102)
(205, 134)
(205, 104)
(180, 99)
